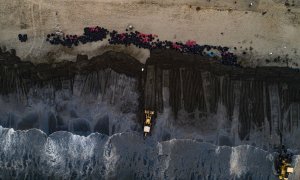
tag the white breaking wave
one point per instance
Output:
(34, 155)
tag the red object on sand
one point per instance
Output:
(190, 43)
(176, 46)
(122, 36)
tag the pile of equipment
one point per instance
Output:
(22, 37)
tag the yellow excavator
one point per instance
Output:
(283, 164)
(285, 170)
(147, 123)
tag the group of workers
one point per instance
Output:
(91, 34)
(146, 41)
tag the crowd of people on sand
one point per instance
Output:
(91, 34)
(141, 40)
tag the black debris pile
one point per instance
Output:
(22, 37)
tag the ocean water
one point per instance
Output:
(91, 131)
(31, 154)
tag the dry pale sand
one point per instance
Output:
(244, 27)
